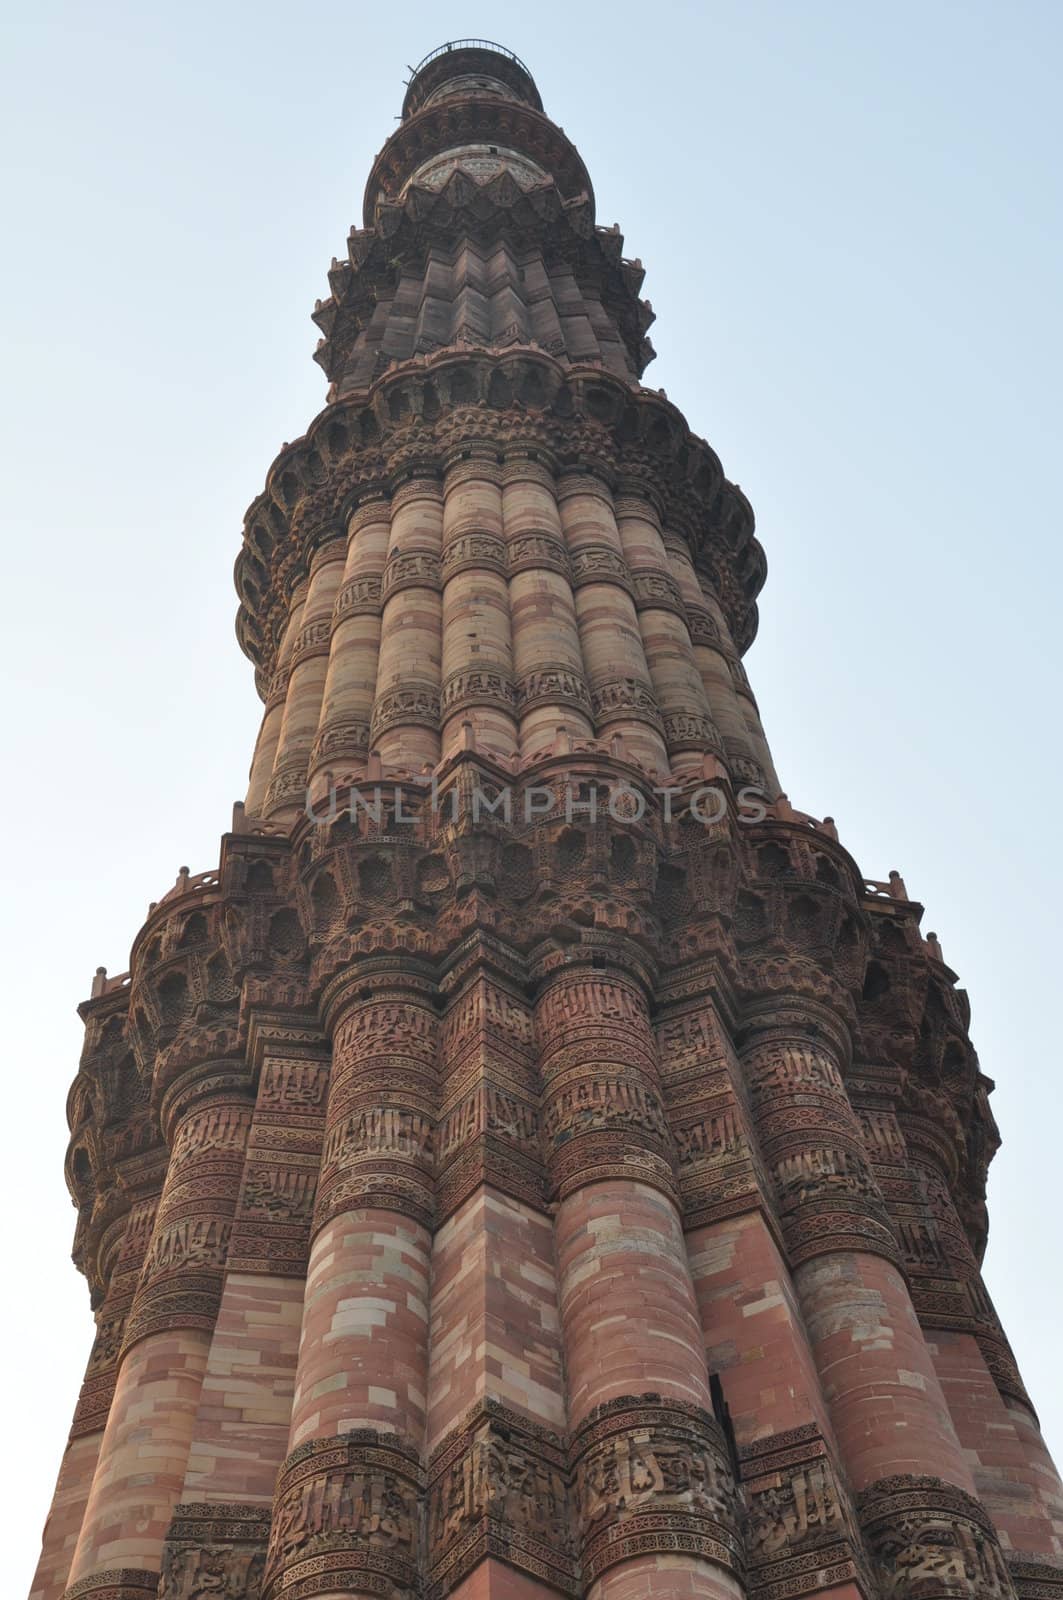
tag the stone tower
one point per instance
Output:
(536, 1161)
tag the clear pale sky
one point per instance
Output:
(850, 218)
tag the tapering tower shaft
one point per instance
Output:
(536, 1161)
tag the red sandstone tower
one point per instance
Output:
(551, 1168)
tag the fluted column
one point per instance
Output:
(306, 682)
(342, 742)
(711, 642)
(614, 661)
(1015, 1474)
(646, 1450)
(144, 1451)
(888, 1413)
(405, 721)
(477, 646)
(732, 685)
(270, 731)
(244, 1416)
(551, 690)
(496, 1401)
(80, 1458)
(353, 1472)
(63, 1524)
(689, 731)
(799, 1520)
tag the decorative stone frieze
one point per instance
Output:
(801, 1534)
(215, 1549)
(347, 1514)
(499, 1488)
(653, 1475)
(927, 1538)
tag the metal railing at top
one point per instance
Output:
(470, 44)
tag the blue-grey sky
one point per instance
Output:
(850, 218)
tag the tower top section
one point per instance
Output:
(480, 307)
(476, 67)
(472, 106)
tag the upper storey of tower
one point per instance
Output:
(480, 311)
(479, 230)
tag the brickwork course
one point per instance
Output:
(503, 1199)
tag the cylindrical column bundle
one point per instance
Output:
(494, 1300)
(350, 681)
(751, 1322)
(308, 665)
(689, 730)
(270, 731)
(895, 1435)
(751, 713)
(346, 1511)
(652, 1475)
(728, 673)
(551, 689)
(405, 721)
(710, 642)
(477, 647)
(67, 1509)
(1014, 1472)
(94, 1402)
(724, 711)
(1041, 1473)
(622, 699)
(241, 1433)
(496, 1411)
(149, 1430)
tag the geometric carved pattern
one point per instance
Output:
(1035, 1580)
(119, 1583)
(718, 1168)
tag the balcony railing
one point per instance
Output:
(471, 44)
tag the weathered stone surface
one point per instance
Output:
(536, 1161)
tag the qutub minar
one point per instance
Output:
(524, 1201)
